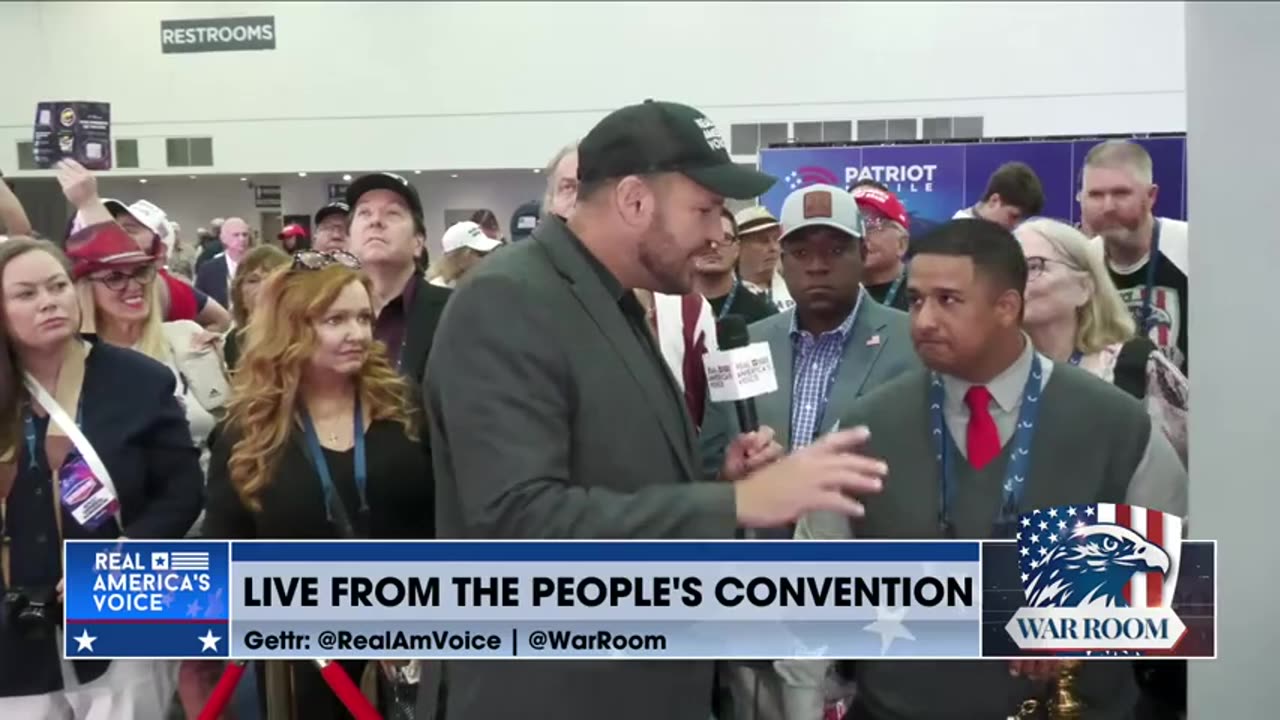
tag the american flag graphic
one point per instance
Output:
(1050, 535)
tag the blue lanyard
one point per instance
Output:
(890, 296)
(1146, 319)
(728, 301)
(322, 466)
(1016, 470)
(1075, 358)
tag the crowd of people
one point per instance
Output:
(548, 383)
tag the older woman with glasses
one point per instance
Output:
(322, 440)
(1075, 314)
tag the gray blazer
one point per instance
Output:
(867, 364)
(553, 416)
(758, 691)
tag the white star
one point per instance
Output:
(889, 626)
(1024, 577)
(1035, 539)
(1018, 536)
(1071, 511)
(1079, 525)
(1036, 511)
(1024, 551)
(1044, 551)
(1062, 525)
(84, 641)
(1026, 522)
(1044, 525)
(209, 641)
(1089, 511)
(1053, 512)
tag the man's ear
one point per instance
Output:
(635, 200)
(1009, 307)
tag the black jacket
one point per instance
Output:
(211, 279)
(129, 414)
(420, 328)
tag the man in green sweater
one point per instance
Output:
(956, 435)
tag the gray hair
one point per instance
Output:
(1104, 319)
(1121, 153)
(550, 172)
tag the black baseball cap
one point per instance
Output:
(525, 219)
(334, 208)
(656, 137)
(385, 181)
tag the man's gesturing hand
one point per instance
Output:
(822, 476)
(749, 452)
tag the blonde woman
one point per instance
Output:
(465, 244)
(120, 301)
(1075, 314)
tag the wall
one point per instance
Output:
(1231, 144)
(498, 85)
(194, 202)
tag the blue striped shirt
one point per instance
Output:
(814, 363)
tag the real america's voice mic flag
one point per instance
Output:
(1098, 577)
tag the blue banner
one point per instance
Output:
(147, 599)
(934, 181)
(748, 600)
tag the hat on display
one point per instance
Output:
(467, 234)
(658, 137)
(821, 206)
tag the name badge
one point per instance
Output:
(89, 501)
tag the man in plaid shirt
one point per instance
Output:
(834, 346)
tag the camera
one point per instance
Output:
(32, 611)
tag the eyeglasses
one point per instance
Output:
(1037, 265)
(316, 259)
(117, 280)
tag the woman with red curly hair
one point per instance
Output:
(322, 438)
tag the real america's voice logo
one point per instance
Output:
(1098, 578)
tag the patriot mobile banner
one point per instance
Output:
(934, 180)
(748, 600)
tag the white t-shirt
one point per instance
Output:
(1174, 245)
(966, 213)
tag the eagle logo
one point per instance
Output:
(1091, 567)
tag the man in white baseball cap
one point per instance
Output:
(465, 244)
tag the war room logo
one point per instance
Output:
(1098, 577)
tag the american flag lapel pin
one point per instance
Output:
(873, 341)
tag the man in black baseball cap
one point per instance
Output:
(664, 137)
(553, 414)
(331, 227)
(388, 235)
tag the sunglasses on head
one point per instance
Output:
(316, 259)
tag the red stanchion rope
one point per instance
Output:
(223, 691)
(337, 679)
(347, 691)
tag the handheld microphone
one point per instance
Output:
(739, 371)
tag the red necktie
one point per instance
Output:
(983, 438)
